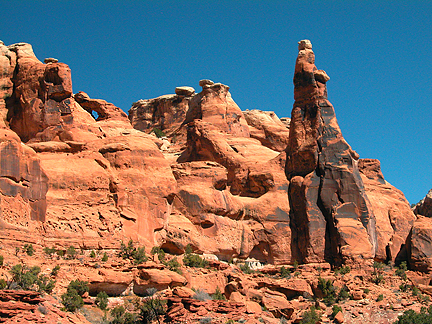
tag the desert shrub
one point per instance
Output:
(151, 309)
(366, 291)
(159, 133)
(92, 254)
(377, 274)
(105, 257)
(411, 317)
(401, 270)
(415, 291)
(120, 316)
(81, 287)
(205, 320)
(174, 265)
(295, 265)
(3, 284)
(49, 251)
(343, 294)
(328, 290)
(194, 260)
(245, 268)
(102, 300)
(380, 297)
(132, 253)
(335, 309)
(1, 260)
(310, 317)
(28, 248)
(71, 252)
(201, 295)
(343, 270)
(60, 253)
(71, 300)
(218, 295)
(161, 253)
(55, 270)
(285, 272)
(404, 287)
(31, 279)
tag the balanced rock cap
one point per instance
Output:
(205, 82)
(50, 60)
(304, 44)
(185, 91)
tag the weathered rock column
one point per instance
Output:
(330, 215)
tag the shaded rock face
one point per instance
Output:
(23, 182)
(419, 245)
(331, 216)
(166, 113)
(424, 207)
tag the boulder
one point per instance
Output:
(419, 245)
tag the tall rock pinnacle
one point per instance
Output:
(331, 218)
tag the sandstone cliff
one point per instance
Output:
(79, 172)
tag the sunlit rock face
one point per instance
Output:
(331, 217)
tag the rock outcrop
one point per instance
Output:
(424, 206)
(331, 217)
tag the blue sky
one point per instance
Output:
(377, 54)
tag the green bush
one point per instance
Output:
(3, 284)
(335, 309)
(55, 270)
(400, 271)
(132, 253)
(343, 294)
(151, 309)
(194, 260)
(102, 300)
(72, 300)
(174, 265)
(377, 274)
(28, 248)
(49, 251)
(245, 268)
(380, 297)
(1, 260)
(71, 252)
(161, 253)
(343, 270)
(92, 254)
(218, 295)
(285, 272)
(105, 257)
(411, 317)
(159, 133)
(310, 317)
(328, 290)
(31, 279)
(81, 287)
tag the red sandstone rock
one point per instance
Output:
(419, 245)
(424, 207)
(215, 105)
(267, 128)
(330, 215)
(392, 211)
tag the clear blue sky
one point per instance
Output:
(377, 53)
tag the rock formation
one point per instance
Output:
(424, 206)
(330, 215)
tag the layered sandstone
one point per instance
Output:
(424, 206)
(331, 217)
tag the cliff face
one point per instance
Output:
(78, 171)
